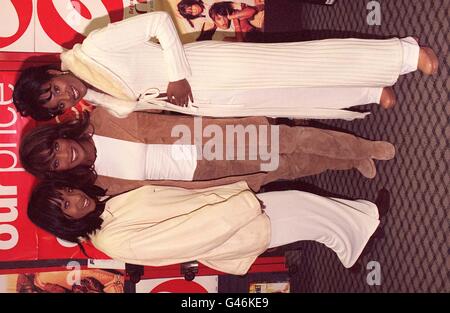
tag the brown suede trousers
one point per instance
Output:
(302, 151)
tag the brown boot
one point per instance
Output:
(383, 202)
(428, 61)
(382, 150)
(366, 167)
(388, 99)
(334, 144)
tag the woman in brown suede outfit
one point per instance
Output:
(277, 151)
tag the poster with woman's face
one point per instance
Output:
(75, 281)
(241, 20)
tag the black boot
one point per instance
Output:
(383, 202)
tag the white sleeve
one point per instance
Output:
(139, 29)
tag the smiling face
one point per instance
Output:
(62, 92)
(68, 154)
(75, 203)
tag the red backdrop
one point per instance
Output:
(30, 27)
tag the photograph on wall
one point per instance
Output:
(75, 281)
(196, 20)
(269, 287)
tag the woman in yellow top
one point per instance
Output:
(224, 227)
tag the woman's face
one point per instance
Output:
(68, 154)
(64, 91)
(75, 203)
(194, 10)
(222, 22)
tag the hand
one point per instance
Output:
(238, 31)
(237, 25)
(179, 93)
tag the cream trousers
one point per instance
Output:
(345, 226)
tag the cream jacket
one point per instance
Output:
(221, 227)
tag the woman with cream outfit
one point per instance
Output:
(224, 227)
(315, 79)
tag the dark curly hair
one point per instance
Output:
(36, 151)
(28, 90)
(44, 210)
(184, 4)
(223, 8)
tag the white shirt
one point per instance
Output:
(138, 161)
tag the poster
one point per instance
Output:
(61, 24)
(51, 26)
(218, 20)
(74, 281)
(17, 31)
(17, 234)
